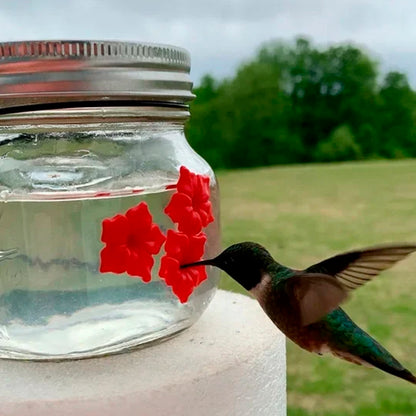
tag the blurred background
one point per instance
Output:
(306, 110)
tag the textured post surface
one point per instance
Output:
(231, 362)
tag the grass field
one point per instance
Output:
(304, 214)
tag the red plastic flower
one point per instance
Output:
(181, 249)
(131, 242)
(190, 206)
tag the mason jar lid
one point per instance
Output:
(34, 73)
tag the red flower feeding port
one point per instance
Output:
(190, 206)
(133, 239)
(182, 249)
(131, 242)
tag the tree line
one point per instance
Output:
(296, 103)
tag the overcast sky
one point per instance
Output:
(221, 34)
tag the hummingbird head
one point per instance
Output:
(244, 262)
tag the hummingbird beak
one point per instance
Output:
(209, 262)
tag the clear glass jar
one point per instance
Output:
(76, 157)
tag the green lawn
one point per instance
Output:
(304, 214)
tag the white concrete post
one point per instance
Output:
(231, 362)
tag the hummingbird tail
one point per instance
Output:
(360, 348)
(406, 375)
(386, 363)
(390, 365)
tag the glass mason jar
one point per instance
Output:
(101, 199)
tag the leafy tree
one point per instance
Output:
(254, 122)
(339, 146)
(397, 132)
(295, 102)
(204, 129)
(326, 88)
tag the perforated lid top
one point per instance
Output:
(47, 72)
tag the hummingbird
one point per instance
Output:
(304, 304)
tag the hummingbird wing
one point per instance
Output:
(355, 268)
(311, 296)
